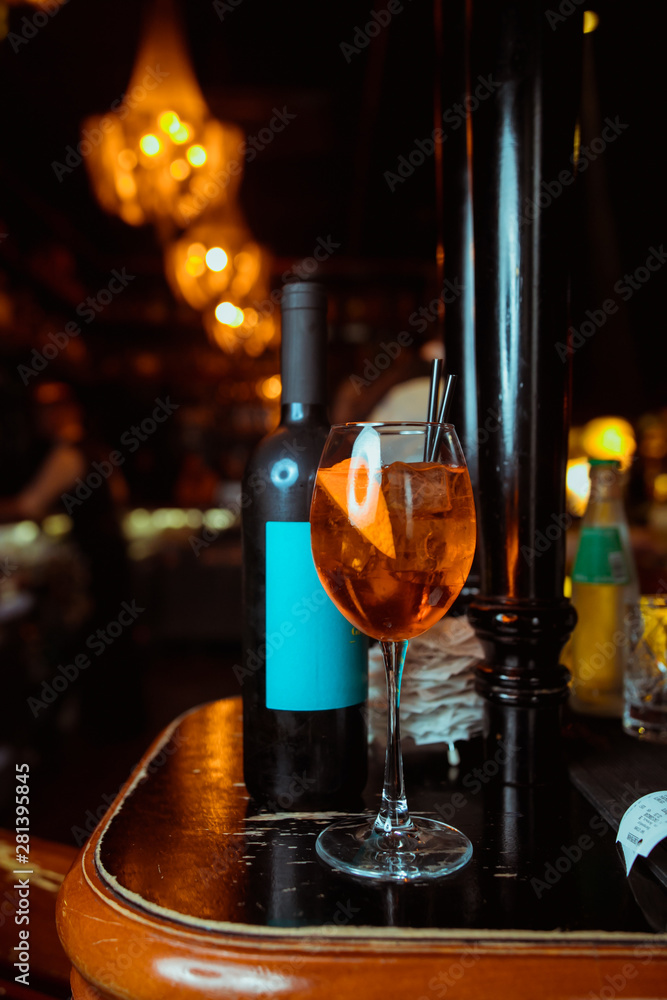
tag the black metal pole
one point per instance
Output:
(523, 93)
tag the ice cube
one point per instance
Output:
(420, 489)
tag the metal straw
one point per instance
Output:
(445, 407)
(447, 399)
(433, 394)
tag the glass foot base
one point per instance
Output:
(427, 849)
(645, 728)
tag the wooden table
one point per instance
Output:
(185, 890)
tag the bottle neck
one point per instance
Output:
(303, 413)
(605, 485)
(303, 354)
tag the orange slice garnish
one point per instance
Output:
(359, 494)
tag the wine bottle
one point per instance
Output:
(304, 672)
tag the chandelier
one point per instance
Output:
(218, 268)
(160, 156)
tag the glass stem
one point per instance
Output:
(393, 813)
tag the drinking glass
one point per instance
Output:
(393, 537)
(645, 711)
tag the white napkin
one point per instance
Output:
(438, 699)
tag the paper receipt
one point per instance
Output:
(642, 826)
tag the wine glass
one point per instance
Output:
(393, 538)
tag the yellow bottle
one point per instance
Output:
(604, 587)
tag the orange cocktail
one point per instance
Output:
(393, 536)
(393, 546)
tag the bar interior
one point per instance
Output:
(333, 500)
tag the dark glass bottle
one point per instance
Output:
(304, 668)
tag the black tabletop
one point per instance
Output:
(188, 843)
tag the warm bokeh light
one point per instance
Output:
(602, 437)
(127, 159)
(236, 270)
(179, 170)
(591, 21)
(57, 525)
(169, 121)
(125, 185)
(216, 259)
(195, 266)
(181, 153)
(270, 388)
(181, 134)
(252, 339)
(150, 144)
(660, 488)
(196, 155)
(578, 486)
(229, 314)
(609, 437)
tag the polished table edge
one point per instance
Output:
(103, 927)
(213, 931)
(113, 945)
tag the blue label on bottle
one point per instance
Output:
(315, 659)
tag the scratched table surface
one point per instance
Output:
(187, 843)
